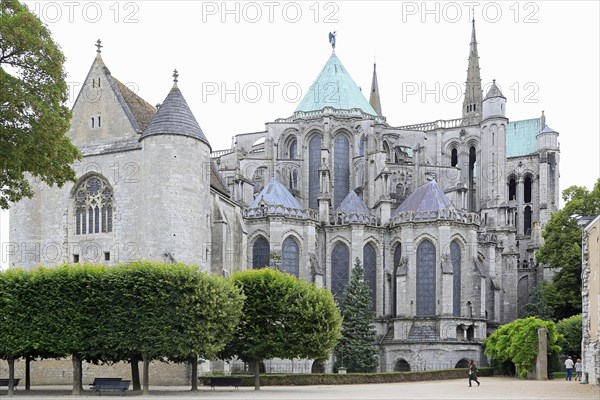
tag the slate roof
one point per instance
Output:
(547, 129)
(427, 197)
(353, 204)
(140, 109)
(494, 91)
(335, 88)
(276, 194)
(216, 180)
(174, 117)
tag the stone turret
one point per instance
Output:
(494, 104)
(177, 184)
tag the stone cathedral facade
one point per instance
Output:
(445, 215)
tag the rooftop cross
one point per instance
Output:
(99, 46)
(175, 75)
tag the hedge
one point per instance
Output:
(355, 378)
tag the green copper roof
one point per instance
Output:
(334, 88)
(521, 137)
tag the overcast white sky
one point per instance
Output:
(242, 64)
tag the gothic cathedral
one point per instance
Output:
(445, 216)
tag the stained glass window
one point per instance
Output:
(341, 172)
(340, 269)
(456, 287)
(370, 265)
(426, 279)
(260, 253)
(93, 206)
(290, 261)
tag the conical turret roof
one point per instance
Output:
(275, 194)
(353, 204)
(174, 117)
(427, 197)
(335, 88)
(494, 91)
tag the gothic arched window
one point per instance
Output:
(527, 190)
(341, 172)
(426, 279)
(512, 189)
(370, 263)
(93, 206)
(340, 270)
(456, 259)
(293, 149)
(397, 260)
(454, 157)
(260, 253)
(290, 257)
(314, 163)
(361, 146)
(527, 221)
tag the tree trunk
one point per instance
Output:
(77, 375)
(11, 376)
(28, 372)
(146, 374)
(256, 375)
(135, 373)
(194, 363)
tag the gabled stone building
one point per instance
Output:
(445, 215)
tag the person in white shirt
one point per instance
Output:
(569, 367)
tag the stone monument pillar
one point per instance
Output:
(541, 365)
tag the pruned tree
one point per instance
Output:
(33, 116)
(517, 342)
(357, 351)
(101, 314)
(283, 317)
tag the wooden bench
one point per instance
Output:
(225, 381)
(4, 382)
(109, 384)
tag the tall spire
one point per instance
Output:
(374, 100)
(473, 92)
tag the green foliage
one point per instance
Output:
(283, 317)
(357, 351)
(114, 313)
(571, 331)
(517, 342)
(562, 248)
(540, 302)
(33, 115)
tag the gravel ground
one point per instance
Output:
(491, 388)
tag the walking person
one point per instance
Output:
(472, 372)
(578, 369)
(569, 367)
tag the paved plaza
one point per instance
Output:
(491, 388)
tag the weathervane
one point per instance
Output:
(99, 46)
(332, 39)
(175, 75)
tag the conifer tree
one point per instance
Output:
(356, 350)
